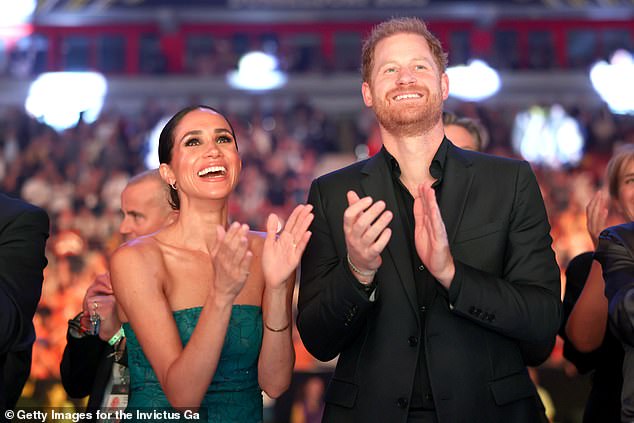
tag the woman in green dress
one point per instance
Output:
(206, 303)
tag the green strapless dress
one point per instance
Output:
(234, 394)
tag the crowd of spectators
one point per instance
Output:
(77, 176)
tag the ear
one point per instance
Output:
(367, 94)
(444, 86)
(167, 174)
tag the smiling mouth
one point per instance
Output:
(406, 97)
(212, 172)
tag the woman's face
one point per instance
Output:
(205, 161)
(626, 190)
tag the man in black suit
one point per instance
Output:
(442, 285)
(24, 229)
(94, 364)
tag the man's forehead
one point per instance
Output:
(141, 192)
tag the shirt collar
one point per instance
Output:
(436, 168)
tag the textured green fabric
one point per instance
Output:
(234, 394)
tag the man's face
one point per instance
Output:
(145, 208)
(460, 137)
(406, 89)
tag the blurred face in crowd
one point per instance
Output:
(145, 208)
(626, 190)
(406, 88)
(461, 137)
(205, 163)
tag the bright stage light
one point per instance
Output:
(614, 82)
(58, 98)
(548, 136)
(257, 71)
(16, 12)
(474, 82)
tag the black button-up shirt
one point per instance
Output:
(424, 281)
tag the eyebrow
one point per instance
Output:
(130, 212)
(199, 132)
(416, 59)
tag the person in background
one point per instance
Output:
(615, 252)
(587, 342)
(464, 132)
(309, 406)
(90, 365)
(206, 303)
(24, 229)
(430, 271)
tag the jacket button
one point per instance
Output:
(412, 341)
(402, 402)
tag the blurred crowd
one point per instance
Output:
(78, 175)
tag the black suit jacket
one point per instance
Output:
(86, 368)
(24, 229)
(504, 299)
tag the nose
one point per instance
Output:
(125, 228)
(213, 150)
(405, 76)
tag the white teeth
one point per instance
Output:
(403, 96)
(212, 169)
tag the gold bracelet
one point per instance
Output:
(355, 269)
(277, 330)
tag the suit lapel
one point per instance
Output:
(377, 183)
(457, 179)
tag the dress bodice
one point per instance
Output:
(234, 394)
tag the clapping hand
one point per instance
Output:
(232, 260)
(366, 232)
(281, 254)
(430, 236)
(597, 215)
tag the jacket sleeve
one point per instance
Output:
(523, 302)
(80, 362)
(615, 255)
(22, 261)
(331, 308)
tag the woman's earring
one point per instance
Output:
(173, 185)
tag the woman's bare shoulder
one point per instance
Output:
(137, 251)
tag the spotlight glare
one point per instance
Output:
(257, 72)
(614, 83)
(474, 82)
(59, 98)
